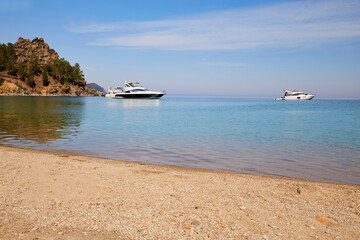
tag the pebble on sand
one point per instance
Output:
(195, 223)
(310, 226)
(321, 219)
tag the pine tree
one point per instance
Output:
(30, 81)
(34, 66)
(22, 71)
(3, 57)
(45, 78)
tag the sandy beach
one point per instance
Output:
(67, 196)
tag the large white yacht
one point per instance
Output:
(134, 90)
(295, 95)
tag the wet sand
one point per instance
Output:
(67, 196)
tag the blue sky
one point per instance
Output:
(240, 48)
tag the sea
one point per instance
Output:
(316, 140)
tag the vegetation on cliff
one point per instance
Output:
(32, 68)
(8, 58)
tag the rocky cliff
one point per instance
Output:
(24, 49)
(33, 68)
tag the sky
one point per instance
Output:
(240, 48)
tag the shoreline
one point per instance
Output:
(49, 195)
(191, 169)
(183, 167)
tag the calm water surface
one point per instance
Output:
(314, 140)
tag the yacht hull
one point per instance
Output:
(143, 95)
(301, 97)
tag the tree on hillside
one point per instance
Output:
(79, 76)
(30, 81)
(66, 73)
(11, 68)
(49, 68)
(11, 61)
(34, 66)
(63, 70)
(45, 78)
(3, 56)
(8, 58)
(22, 70)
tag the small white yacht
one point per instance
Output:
(134, 90)
(295, 95)
(111, 92)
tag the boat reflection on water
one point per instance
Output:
(39, 119)
(131, 103)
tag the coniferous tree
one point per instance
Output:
(34, 66)
(45, 78)
(10, 66)
(8, 58)
(49, 68)
(22, 70)
(11, 60)
(30, 81)
(3, 57)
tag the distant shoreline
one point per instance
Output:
(52, 195)
(173, 95)
(39, 95)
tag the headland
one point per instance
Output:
(32, 68)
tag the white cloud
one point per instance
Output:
(286, 24)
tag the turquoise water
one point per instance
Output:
(314, 140)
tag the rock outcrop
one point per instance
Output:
(32, 68)
(24, 49)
